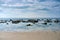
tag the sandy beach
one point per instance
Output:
(42, 35)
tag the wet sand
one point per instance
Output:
(42, 35)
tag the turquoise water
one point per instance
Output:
(22, 27)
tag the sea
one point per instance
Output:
(22, 26)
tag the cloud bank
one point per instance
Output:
(30, 8)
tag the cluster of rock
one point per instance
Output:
(45, 21)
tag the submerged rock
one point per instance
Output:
(15, 22)
(3, 21)
(50, 24)
(56, 21)
(44, 23)
(7, 23)
(28, 25)
(48, 20)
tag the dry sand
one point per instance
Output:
(42, 35)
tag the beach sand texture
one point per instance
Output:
(43, 35)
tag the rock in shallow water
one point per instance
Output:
(28, 25)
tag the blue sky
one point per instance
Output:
(29, 8)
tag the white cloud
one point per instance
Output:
(37, 9)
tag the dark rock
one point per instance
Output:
(56, 21)
(10, 19)
(15, 22)
(25, 21)
(44, 23)
(28, 25)
(33, 21)
(7, 23)
(48, 21)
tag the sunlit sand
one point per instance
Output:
(42, 35)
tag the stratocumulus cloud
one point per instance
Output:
(25, 8)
